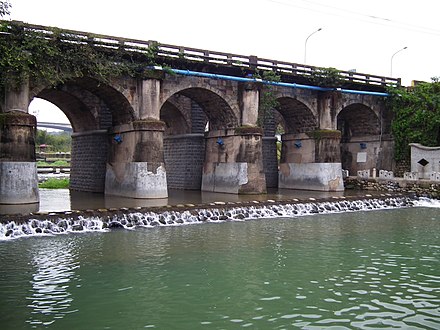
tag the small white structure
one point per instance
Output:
(363, 174)
(383, 174)
(424, 160)
(411, 176)
(435, 176)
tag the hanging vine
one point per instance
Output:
(54, 57)
(326, 77)
(268, 99)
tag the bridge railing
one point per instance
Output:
(200, 55)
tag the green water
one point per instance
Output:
(376, 269)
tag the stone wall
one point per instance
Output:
(401, 167)
(88, 163)
(424, 160)
(270, 161)
(397, 185)
(184, 157)
(367, 152)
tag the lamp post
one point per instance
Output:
(391, 66)
(305, 44)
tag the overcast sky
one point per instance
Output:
(361, 35)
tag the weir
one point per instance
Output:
(103, 220)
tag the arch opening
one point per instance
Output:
(187, 114)
(92, 108)
(363, 139)
(288, 121)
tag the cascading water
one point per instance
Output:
(130, 219)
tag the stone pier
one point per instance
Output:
(136, 167)
(311, 161)
(234, 162)
(18, 171)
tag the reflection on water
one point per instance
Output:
(54, 270)
(65, 200)
(58, 200)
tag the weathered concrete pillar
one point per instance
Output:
(149, 103)
(18, 171)
(234, 157)
(249, 111)
(136, 166)
(327, 103)
(311, 161)
(234, 161)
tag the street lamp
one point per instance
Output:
(391, 67)
(305, 44)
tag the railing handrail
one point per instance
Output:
(203, 55)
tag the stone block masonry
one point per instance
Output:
(88, 163)
(184, 157)
(270, 161)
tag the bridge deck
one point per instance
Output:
(210, 59)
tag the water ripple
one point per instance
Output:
(50, 298)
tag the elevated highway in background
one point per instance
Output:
(59, 126)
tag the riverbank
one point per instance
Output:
(419, 187)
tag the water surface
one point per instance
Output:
(377, 269)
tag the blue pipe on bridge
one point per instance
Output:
(275, 83)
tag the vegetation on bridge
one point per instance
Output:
(327, 77)
(416, 116)
(268, 100)
(29, 54)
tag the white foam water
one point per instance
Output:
(427, 202)
(130, 219)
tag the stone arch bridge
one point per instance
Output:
(202, 129)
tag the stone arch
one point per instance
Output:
(217, 98)
(89, 104)
(218, 111)
(175, 121)
(92, 108)
(357, 120)
(298, 118)
(185, 114)
(295, 117)
(363, 142)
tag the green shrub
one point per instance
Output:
(55, 163)
(416, 118)
(54, 183)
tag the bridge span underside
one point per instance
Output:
(137, 138)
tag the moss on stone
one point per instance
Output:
(248, 130)
(324, 134)
(149, 124)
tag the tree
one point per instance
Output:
(416, 119)
(5, 6)
(59, 142)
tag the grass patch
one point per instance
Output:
(55, 163)
(53, 183)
